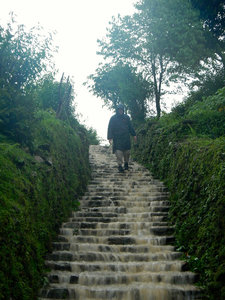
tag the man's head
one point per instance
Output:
(120, 109)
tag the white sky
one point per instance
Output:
(79, 23)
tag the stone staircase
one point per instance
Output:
(119, 244)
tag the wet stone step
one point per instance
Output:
(119, 245)
(93, 214)
(61, 239)
(123, 225)
(161, 230)
(106, 209)
(159, 203)
(108, 191)
(132, 292)
(121, 240)
(141, 248)
(110, 201)
(58, 266)
(105, 278)
(63, 277)
(122, 218)
(109, 257)
(102, 232)
(95, 220)
(151, 240)
(96, 214)
(99, 203)
(61, 246)
(81, 247)
(57, 293)
(133, 267)
(124, 230)
(159, 208)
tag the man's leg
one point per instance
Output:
(126, 158)
(119, 156)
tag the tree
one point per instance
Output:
(57, 96)
(92, 136)
(164, 39)
(212, 14)
(24, 56)
(122, 84)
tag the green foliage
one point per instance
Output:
(43, 159)
(47, 93)
(23, 55)
(203, 116)
(13, 109)
(165, 39)
(92, 136)
(57, 96)
(212, 12)
(173, 30)
(37, 194)
(122, 84)
(187, 151)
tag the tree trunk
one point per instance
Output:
(158, 107)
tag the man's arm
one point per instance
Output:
(109, 132)
(131, 128)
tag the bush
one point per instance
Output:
(187, 152)
(38, 190)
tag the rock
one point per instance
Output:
(39, 159)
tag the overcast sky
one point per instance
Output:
(78, 23)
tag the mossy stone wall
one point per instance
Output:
(193, 169)
(39, 188)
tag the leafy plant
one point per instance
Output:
(186, 149)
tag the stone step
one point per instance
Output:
(112, 204)
(89, 256)
(125, 211)
(120, 218)
(139, 215)
(156, 230)
(61, 246)
(115, 177)
(138, 209)
(94, 232)
(126, 196)
(135, 291)
(123, 240)
(119, 245)
(120, 248)
(131, 267)
(105, 278)
(122, 211)
(113, 225)
(108, 188)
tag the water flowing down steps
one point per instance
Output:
(119, 244)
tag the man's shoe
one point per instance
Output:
(126, 166)
(120, 168)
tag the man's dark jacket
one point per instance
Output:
(119, 130)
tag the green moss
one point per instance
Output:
(190, 159)
(38, 190)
